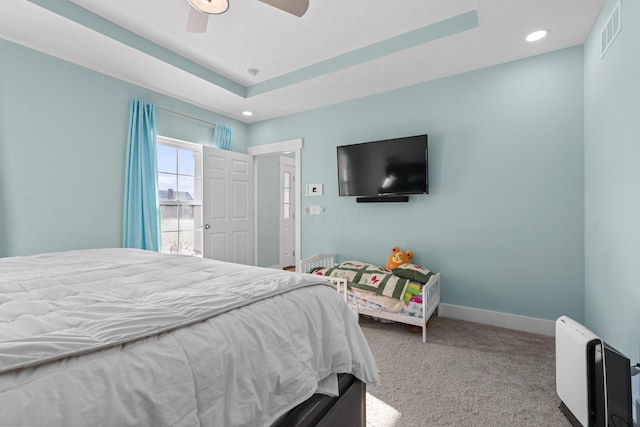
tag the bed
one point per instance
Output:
(119, 337)
(410, 313)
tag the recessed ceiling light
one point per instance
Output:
(537, 35)
(247, 113)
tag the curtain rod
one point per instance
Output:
(185, 115)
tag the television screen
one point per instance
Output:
(383, 168)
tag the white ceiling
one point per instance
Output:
(339, 50)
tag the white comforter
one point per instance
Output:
(126, 337)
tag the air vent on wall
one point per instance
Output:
(610, 30)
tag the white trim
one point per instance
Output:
(179, 143)
(276, 147)
(291, 146)
(494, 318)
(284, 160)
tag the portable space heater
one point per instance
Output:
(593, 380)
(576, 382)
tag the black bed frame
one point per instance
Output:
(347, 410)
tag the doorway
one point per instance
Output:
(267, 247)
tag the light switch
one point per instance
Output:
(315, 210)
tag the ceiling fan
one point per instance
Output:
(201, 9)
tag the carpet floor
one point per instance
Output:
(467, 374)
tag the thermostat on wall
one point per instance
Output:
(314, 189)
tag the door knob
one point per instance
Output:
(207, 226)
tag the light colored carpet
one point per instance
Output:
(467, 374)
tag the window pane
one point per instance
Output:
(286, 210)
(187, 218)
(166, 159)
(186, 243)
(186, 163)
(186, 187)
(180, 179)
(168, 218)
(286, 195)
(167, 185)
(169, 242)
(287, 180)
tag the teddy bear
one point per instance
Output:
(398, 258)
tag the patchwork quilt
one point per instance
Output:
(367, 277)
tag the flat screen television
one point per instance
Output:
(390, 167)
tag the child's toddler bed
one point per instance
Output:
(409, 294)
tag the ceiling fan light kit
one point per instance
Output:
(210, 6)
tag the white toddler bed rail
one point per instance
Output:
(430, 294)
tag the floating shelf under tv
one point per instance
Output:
(382, 199)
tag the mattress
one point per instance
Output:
(129, 337)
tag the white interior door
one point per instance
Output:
(287, 211)
(228, 206)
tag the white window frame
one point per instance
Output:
(198, 197)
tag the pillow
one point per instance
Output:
(413, 272)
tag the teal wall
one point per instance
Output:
(534, 201)
(63, 134)
(268, 193)
(504, 220)
(612, 183)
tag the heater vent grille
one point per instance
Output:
(610, 30)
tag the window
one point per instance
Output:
(180, 196)
(286, 200)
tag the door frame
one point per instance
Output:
(291, 146)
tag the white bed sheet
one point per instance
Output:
(195, 355)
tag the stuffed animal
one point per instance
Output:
(398, 258)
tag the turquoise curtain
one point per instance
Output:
(222, 137)
(141, 213)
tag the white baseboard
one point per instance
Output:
(495, 318)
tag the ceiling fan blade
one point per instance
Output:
(294, 7)
(197, 21)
